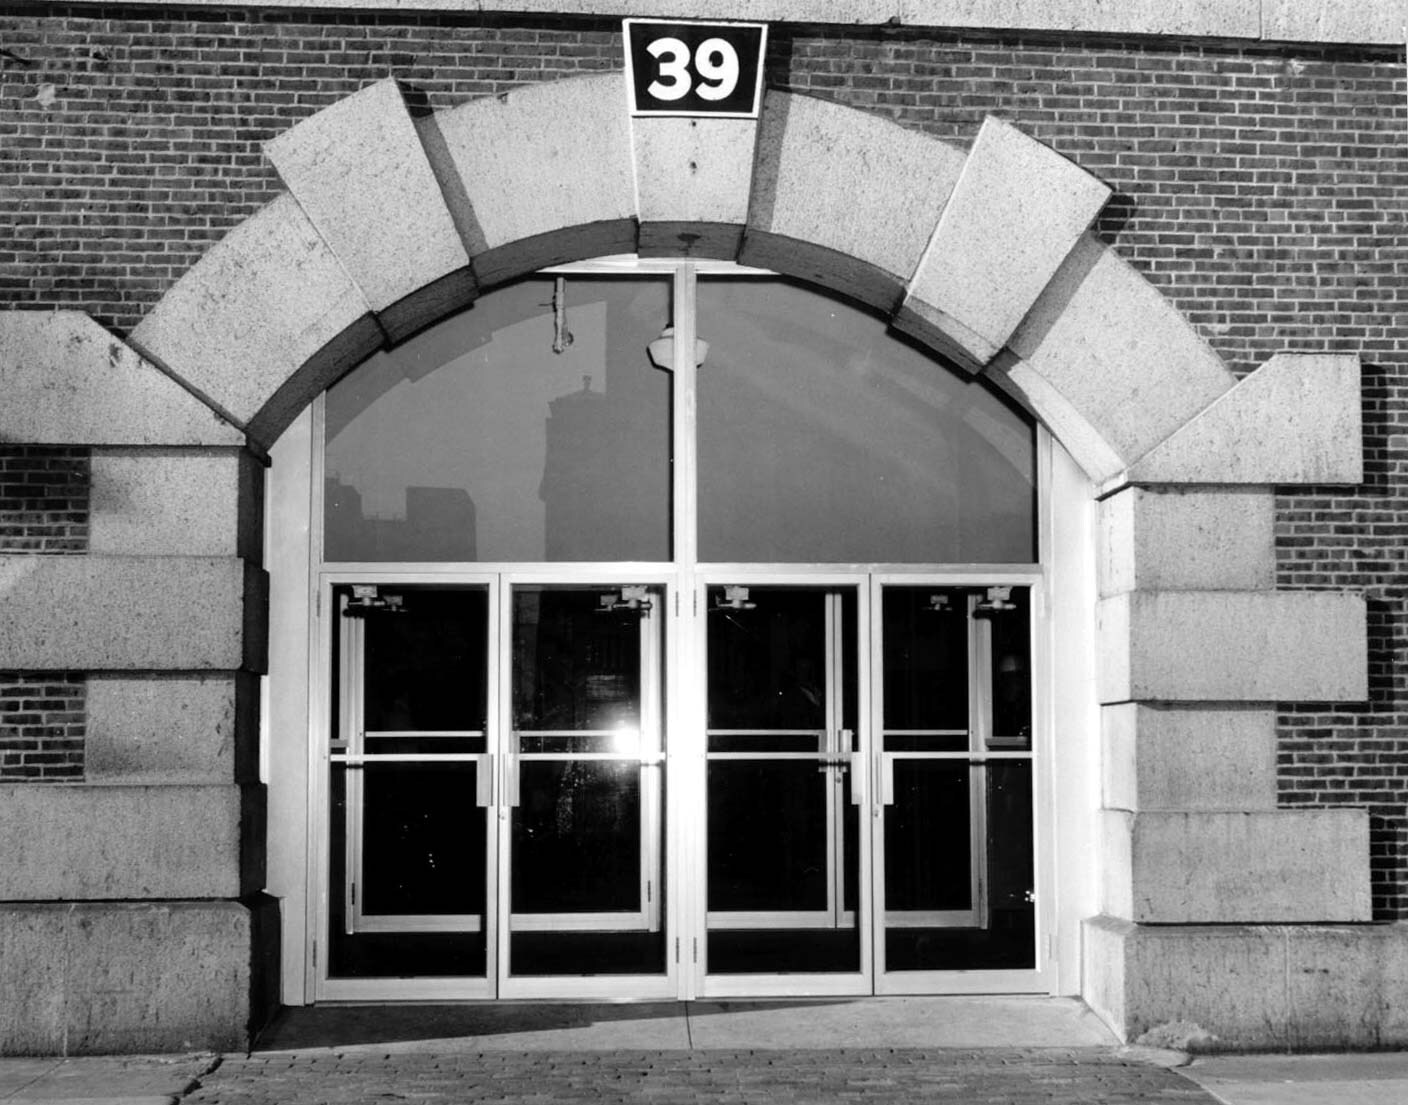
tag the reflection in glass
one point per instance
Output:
(576, 665)
(475, 441)
(824, 439)
(585, 855)
(576, 838)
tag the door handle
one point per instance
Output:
(484, 779)
(857, 766)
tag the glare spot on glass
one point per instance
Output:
(625, 739)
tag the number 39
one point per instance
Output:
(716, 62)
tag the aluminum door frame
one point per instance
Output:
(798, 984)
(984, 980)
(661, 986)
(327, 988)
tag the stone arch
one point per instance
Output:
(393, 219)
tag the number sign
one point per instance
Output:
(695, 68)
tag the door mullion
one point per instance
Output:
(835, 713)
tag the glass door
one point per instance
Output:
(952, 794)
(410, 780)
(784, 875)
(584, 796)
(496, 791)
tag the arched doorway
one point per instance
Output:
(641, 680)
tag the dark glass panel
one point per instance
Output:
(767, 835)
(926, 661)
(928, 837)
(407, 954)
(783, 951)
(767, 665)
(426, 665)
(1012, 672)
(576, 837)
(584, 954)
(575, 665)
(1007, 938)
(422, 839)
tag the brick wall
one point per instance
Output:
(1262, 189)
(43, 499)
(41, 727)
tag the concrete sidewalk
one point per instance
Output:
(879, 1051)
(1370, 1078)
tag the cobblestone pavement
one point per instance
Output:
(1088, 1076)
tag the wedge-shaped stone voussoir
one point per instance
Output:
(1204, 538)
(538, 175)
(1147, 750)
(1263, 867)
(358, 171)
(267, 300)
(1121, 355)
(1251, 987)
(1016, 212)
(68, 381)
(1295, 420)
(176, 502)
(1232, 646)
(128, 613)
(692, 179)
(844, 199)
(88, 843)
(131, 978)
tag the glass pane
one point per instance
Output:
(424, 867)
(576, 664)
(585, 864)
(782, 836)
(477, 441)
(1012, 673)
(422, 839)
(824, 439)
(768, 662)
(1001, 934)
(767, 835)
(576, 838)
(928, 861)
(926, 667)
(426, 668)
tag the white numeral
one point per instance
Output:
(724, 74)
(716, 62)
(675, 66)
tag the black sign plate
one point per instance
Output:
(675, 68)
